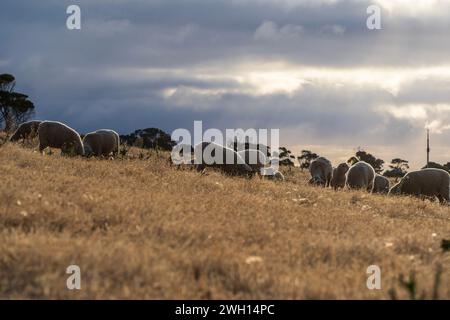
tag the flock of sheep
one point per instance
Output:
(55, 134)
(361, 175)
(423, 183)
(247, 162)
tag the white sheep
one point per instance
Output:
(26, 130)
(338, 176)
(360, 176)
(428, 182)
(58, 135)
(321, 171)
(102, 142)
(380, 184)
(210, 154)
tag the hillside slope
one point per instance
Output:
(140, 228)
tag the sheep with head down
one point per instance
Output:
(255, 159)
(321, 171)
(26, 130)
(102, 142)
(360, 176)
(428, 182)
(380, 184)
(338, 176)
(55, 134)
(210, 154)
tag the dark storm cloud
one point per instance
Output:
(176, 33)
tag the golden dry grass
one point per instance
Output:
(140, 228)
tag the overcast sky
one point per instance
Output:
(308, 67)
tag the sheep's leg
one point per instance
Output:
(445, 194)
(369, 187)
(42, 146)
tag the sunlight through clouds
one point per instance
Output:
(413, 8)
(277, 76)
(434, 117)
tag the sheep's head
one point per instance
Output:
(15, 137)
(87, 150)
(317, 180)
(68, 149)
(396, 189)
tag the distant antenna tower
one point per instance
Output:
(428, 147)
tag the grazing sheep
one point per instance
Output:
(338, 176)
(271, 174)
(210, 154)
(360, 176)
(58, 135)
(26, 130)
(380, 184)
(101, 143)
(254, 158)
(321, 171)
(428, 182)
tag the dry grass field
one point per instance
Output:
(142, 229)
